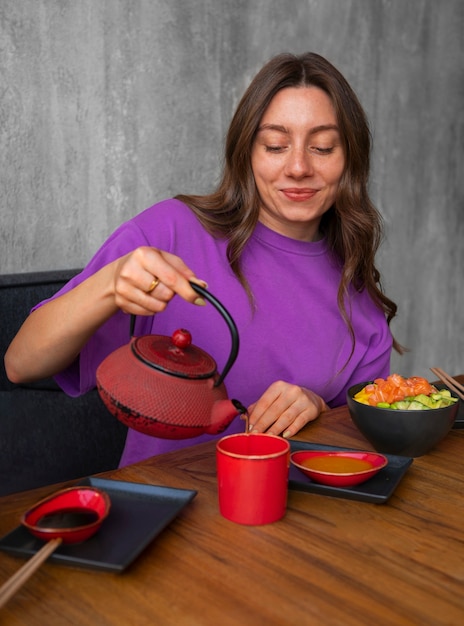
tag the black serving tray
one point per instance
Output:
(377, 489)
(138, 514)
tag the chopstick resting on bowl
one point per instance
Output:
(449, 381)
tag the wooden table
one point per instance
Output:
(330, 561)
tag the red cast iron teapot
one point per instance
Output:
(166, 387)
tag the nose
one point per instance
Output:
(299, 163)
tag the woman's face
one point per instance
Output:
(297, 161)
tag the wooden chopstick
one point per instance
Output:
(15, 582)
(449, 381)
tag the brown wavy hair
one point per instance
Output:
(352, 226)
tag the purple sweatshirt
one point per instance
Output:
(296, 332)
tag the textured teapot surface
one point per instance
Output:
(166, 386)
(158, 404)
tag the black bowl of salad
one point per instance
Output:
(403, 416)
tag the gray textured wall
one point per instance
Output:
(107, 106)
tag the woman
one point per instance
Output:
(286, 242)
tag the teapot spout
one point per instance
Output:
(223, 413)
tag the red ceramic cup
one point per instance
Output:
(252, 471)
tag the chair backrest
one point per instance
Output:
(46, 436)
(18, 294)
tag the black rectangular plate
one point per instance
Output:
(377, 489)
(138, 514)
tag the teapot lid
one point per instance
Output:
(174, 355)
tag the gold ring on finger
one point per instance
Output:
(153, 284)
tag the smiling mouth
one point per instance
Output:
(299, 195)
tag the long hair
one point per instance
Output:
(352, 226)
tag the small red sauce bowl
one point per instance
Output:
(73, 514)
(338, 468)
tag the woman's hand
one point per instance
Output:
(284, 409)
(141, 283)
(145, 280)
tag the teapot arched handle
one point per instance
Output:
(227, 318)
(231, 325)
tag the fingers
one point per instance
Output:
(284, 409)
(171, 272)
(146, 279)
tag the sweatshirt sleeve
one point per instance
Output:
(79, 377)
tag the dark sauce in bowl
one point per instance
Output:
(67, 518)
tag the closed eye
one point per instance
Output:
(324, 150)
(274, 148)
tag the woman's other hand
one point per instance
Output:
(284, 409)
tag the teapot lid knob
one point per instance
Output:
(181, 338)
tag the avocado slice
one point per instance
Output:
(426, 400)
(417, 406)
